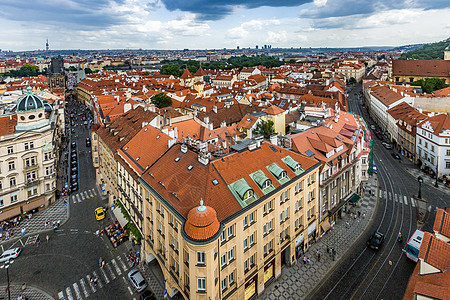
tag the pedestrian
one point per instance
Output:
(103, 264)
(100, 262)
(328, 249)
(334, 253)
(359, 213)
(47, 237)
(318, 254)
(308, 261)
(304, 260)
(38, 241)
(22, 232)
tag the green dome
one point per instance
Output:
(29, 102)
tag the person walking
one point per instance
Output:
(100, 262)
(318, 255)
(47, 238)
(38, 241)
(22, 232)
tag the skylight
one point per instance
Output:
(215, 182)
(177, 159)
(309, 153)
(190, 167)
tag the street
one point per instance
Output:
(63, 265)
(368, 274)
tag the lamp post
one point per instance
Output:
(6, 266)
(420, 180)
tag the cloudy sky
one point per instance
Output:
(206, 24)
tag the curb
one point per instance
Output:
(15, 293)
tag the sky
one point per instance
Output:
(216, 24)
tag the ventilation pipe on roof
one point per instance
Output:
(214, 109)
(184, 148)
(274, 139)
(203, 158)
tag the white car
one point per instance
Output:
(10, 254)
(137, 280)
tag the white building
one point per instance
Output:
(433, 143)
(27, 157)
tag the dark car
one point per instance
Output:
(147, 295)
(88, 142)
(396, 156)
(376, 240)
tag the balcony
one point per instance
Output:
(31, 182)
(30, 167)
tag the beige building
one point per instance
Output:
(27, 157)
(223, 229)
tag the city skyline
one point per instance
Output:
(164, 24)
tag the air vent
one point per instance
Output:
(215, 182)
(161, 183)
(184, 148)
(177, 159)
(190, 167)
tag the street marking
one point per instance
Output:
(129, 289)
(69, 293)
(83, 288)
(73, 229)
(124, 267)
(406, 200)
(385, 195)
(98, 279)
(381, 193)
(391, 196)
(104, 275)
(90, 194)
(74, 199)
(85, 194)
(429, 208)
(413, 202)
(60, 295)
(116, 267)
(94, 192)
(79, 198)
(31, 239)
(77, 291)
(395, 198)
(3, 249)
(91, 285)
(113, 276)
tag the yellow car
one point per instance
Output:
(99, 213)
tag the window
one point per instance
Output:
(264, 229)
(1, 201)
(265, 209)
(47, 155)
(448, 152)
(245, 243)
(29, 145)
(12, 181)
(447, 166)
(11, 165)
(186, 257)
(200, 257)
(248, 195)
(269, 205)
(230, 231)
(245, 221)
(231, 255)
(30, 161)
(223, 237)
(10, 150)
(252, 218)
(223, 260)
(201, 284)
(48, 171)
(224, 283)
(252, 260)
(231, 278)
(13, 197)
(252, 239)
(32, 191)
(269, 225)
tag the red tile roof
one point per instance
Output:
(439, 123)
(202, 225)
(431, 68)
(435, 252)
(442, 222)
(7, 124)
(273, 110)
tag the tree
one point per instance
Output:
(171, 69)
(352, 80)
(88, 71)
(72, 68)
(265, 128)
(161, 100)
(430, 85)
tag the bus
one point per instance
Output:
(413, 245)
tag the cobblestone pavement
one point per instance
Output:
(31, 293)
(58, 211)
(154, 279)
(297, 282)
(414, 171)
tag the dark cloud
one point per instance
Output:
(219, 9)
(82, 13)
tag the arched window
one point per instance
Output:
(248, 194)
(283, 175)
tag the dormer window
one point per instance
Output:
(283, 175)
(248, 194)
(267, 184)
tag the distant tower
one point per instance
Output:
(46, 46)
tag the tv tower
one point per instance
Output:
(46, 45)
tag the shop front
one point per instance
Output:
(269, 272)
(250, 288)
(312, 233)
(299, 245)
(325, 225)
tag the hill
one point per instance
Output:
(428, 51)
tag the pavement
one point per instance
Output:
(416, 172)
(298, 282)
(58, 211)
(27, 291)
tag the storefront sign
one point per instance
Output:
(250, 287)
(299, 239)
(312, 228)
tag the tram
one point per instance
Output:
(413, 245)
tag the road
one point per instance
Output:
(62, 266)
(383, 274)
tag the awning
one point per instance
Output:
(34, 204)
(120, 217)
(326, 225)
(7, 214)
(354, 198)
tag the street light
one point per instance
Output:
(437, 172)
(420, 180)
(6, 266)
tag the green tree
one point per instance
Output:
(430, 85)
(88, 71)
(265, 128)
(428, 51)
(72, 68)
(171, 69)
(352, 80)
(161, 100)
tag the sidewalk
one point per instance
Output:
(55, 212)
(415, 172)
(297, 282)
(30, 292)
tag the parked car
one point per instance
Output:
(387, 145)
(137, 280)
(374, 169)
(10, 254)
(73, 163)
(88, 142)
(147, 295)
(73, 145)
(396, 156)
(373, 127)
(376, 240)
(74, 170)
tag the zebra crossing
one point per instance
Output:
(402, 199)
(82, 288)
(81, 196)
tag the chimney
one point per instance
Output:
(258, 140)
(223, 124)
(252, 146)
(214, 109)
(184, 148)
(206, 120)
(203, 158)
(419, 109)
(274, 139)
(126, 107)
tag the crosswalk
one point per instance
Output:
(82, 288)
(81, 196)
(402, 199)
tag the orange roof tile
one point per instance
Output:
(435, 252)
(273, 110)
(7, 124)
(442, 222)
